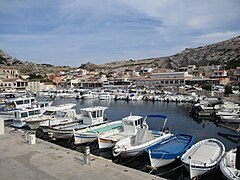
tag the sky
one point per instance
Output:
(74, 32)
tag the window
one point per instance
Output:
(37, 111)
(94, 114)
(26, 101)
(100, 113)
(31, 113)
(19, 102)
(128, 123)
(24, 114)
(85, 114)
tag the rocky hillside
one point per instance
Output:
(223, 52)
(27, 67)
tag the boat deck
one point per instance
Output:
(172, 146)
(206, 153)
(105, 128)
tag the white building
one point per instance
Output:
(9, 73)
(13, 84)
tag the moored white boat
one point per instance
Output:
(105, 96)
(21, 116)
(53, 115)
(91, 116)
(135, 144)
(230, 119)
(230, 164)
(129, 127)
(8, 106)
(90, 95)
(203, 156)
(90, 134)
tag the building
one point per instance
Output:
(9, 73)
(221, 76)
(34, 85)
(13, 84)
(165, 80)
(57, 79)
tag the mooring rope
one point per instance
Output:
(140, 153)
(167, 171)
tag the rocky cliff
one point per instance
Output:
(27, 67)
(227, 52)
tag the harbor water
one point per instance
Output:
(179, 121)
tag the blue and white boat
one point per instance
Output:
(166, 151)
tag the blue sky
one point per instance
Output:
(73, 32)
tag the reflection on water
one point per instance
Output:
(179, 121)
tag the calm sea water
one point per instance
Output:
(179, 121)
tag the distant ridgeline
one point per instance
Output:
(225, 52)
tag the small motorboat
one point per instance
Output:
(135, 144)
(166, 151)
(203, 156)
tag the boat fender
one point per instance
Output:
(145, 126)
(166, 130)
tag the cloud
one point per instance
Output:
(63, 32)
(215, 37)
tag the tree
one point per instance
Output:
(228, 89)
(207, 87)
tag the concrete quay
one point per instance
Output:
(48, 161)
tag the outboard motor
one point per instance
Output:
(238, 156)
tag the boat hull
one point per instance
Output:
(198, 170)
(19, 124)
(125, 151)
(165, 152)
(84, 138)
(160, 162)
(228, 165)
(105, 143)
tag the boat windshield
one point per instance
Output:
(128, 123)
(96, 114)
(85, 114)
(49, 113)
(61, 114)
